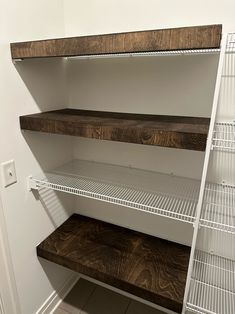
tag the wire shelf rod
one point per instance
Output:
(148, 54)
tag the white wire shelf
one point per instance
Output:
(230, 47)
(149, 54)
(224, 137)
(212, 282)
(218, 210)
(164, 195)
(212, 287)
(229, 50)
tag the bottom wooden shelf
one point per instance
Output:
(148, 267)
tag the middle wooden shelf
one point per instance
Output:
(158, 130)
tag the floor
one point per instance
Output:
(89, 298)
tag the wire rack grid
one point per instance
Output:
(176, 201)
(212, 284)
(224, 136)
(212, 287)
(219, 208)
(149, 54)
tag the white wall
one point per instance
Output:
(27, 88)
(104, 16)
(9, 301)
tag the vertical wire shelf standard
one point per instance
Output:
(165, 195)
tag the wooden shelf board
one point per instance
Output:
(166, 131)
(148, 267)
(184, 38)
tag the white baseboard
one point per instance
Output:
(53, 301)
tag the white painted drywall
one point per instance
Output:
(9, 301)
(27, 88)
(104, 16)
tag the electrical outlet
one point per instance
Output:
(8, 173)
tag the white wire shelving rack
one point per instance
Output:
(224, 136)
(165, 195)
(211, 278)
(212, 288)
(183, 52)
(149, 54)
(218, 210)
(224, 132)
(173, 197)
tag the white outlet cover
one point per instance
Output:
(8, 173)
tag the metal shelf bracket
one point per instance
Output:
(31, 184)
(15, 61)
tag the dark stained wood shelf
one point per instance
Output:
(184, 38)
(166, 131)
(148, 267)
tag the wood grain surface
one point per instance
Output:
(145, 266)
(196, 37)
(167, 131)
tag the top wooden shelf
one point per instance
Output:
(184, 38)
